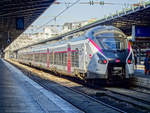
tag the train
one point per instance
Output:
(98, 53)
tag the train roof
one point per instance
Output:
(103, 28)
(64, 39)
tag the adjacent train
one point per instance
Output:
(102, 52)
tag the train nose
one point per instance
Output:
(116, 69)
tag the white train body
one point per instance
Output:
(100, 53)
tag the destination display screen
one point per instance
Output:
(142, 31)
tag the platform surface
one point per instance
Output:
(139, 72)
(141, 79)
(19, 94)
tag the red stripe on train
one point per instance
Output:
(129, 48)
(95, 45)
(69, 60)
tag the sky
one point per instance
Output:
(81, 12)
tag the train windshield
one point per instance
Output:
(112, 41)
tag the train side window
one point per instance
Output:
(59, 58)
(40, 56)
(72, 59)
(58, 61)
(29, 56)
(37, 57)
(75, 59)
(65, 59)
(51, 58)
(55, 58)
(34, 56)
(26, 57)
(45, 58)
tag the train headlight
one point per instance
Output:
(130, 60)
(102, 61)
(105, 61)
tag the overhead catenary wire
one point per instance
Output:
(70, 4)
(92, 2)
(54, 18)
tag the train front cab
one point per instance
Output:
(114, 55)
(122, 66)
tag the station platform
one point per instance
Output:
(140, 78)
(19, 94)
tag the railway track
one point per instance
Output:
(139, 100)
(120, 99)
(61, 91)
(141, 89)
(83, 94)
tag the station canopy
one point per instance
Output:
(17, 15)
(125, 19)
